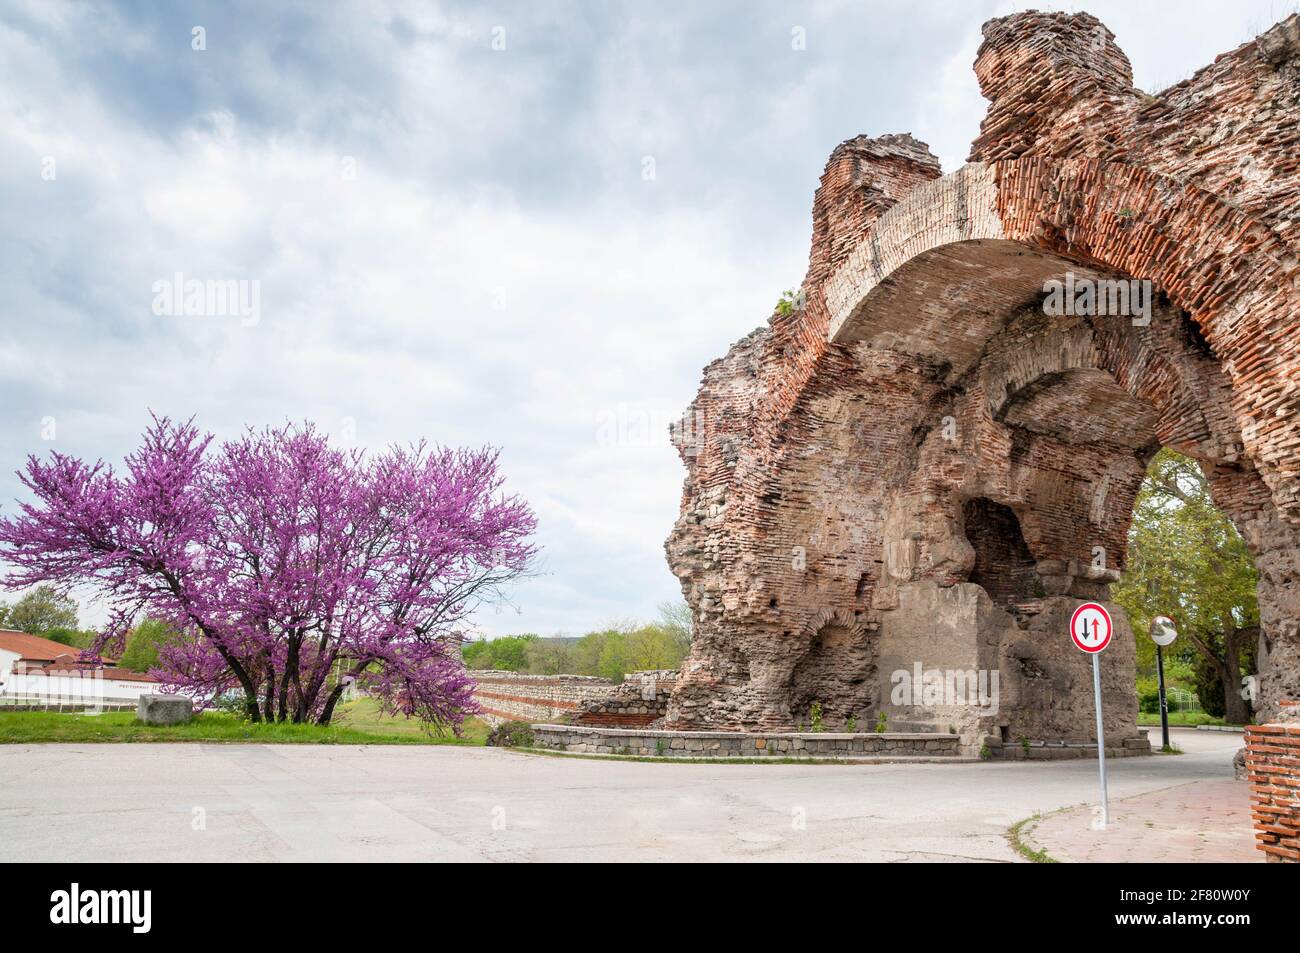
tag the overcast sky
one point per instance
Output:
(528, 225)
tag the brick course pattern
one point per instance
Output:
(916, 464)
(641, 699)
(511, 696)
(1273, 769)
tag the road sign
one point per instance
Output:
(1090, 630)
(1163, 631)
(1090, 627)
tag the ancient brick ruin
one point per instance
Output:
(913, 464)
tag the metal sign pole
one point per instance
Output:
(1164, 701)
(1101, 739)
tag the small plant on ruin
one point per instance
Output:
(815, 715)
(791, 301)
(851, 725)
(882, 723)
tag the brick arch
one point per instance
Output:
(1011, 222)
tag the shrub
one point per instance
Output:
(511, 734)
(1148, 692)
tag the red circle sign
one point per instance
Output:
(1090, 627)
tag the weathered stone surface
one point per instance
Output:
(917, 465)
(641, 699)
(164, 710)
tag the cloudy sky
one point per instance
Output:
(527, 225)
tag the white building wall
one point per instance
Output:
(65, 689)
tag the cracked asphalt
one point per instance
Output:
(203, 802)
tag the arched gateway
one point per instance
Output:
(922, 465)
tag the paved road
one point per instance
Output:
(143, 802)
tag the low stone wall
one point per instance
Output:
(736, 744)
(1273, 766)
(511, 696)
(1129, 747)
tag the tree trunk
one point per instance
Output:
(328, 712)
(290, 666)
(269, 704)
(1236, 710)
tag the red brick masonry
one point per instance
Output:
(1273, 759)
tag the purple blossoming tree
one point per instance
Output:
(289, 567)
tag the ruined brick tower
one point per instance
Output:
(915, 464)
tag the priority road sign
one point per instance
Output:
(1090, 627)
(1090, 630)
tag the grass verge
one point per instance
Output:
(1180, 719)
(1016, 834)
(358, 724)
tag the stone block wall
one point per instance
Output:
(642, 698)
(1273, 765)
(735, 744)
(512, 696)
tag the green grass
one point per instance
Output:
(1182, 719)
(1016, 835)
(359, 723)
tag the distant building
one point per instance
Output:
(38, 671)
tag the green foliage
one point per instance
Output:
(511, 734)
(1209, 689)
(610, 653)
(815, 716)
(1148, 692)
(1186, 560)
(790, 301)
(73, 638)
(143, 643)
(40, 611)
(507, 653)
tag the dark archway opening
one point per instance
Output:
(1004, 567)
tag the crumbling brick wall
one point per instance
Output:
(1273, 766)
(840, 458)
(513, 696)
(639, 700)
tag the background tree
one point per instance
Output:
(675, 616)
(144, 642)
(40, 611)
(288, 569)
(1186, 560)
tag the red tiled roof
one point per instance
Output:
(34, 647)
